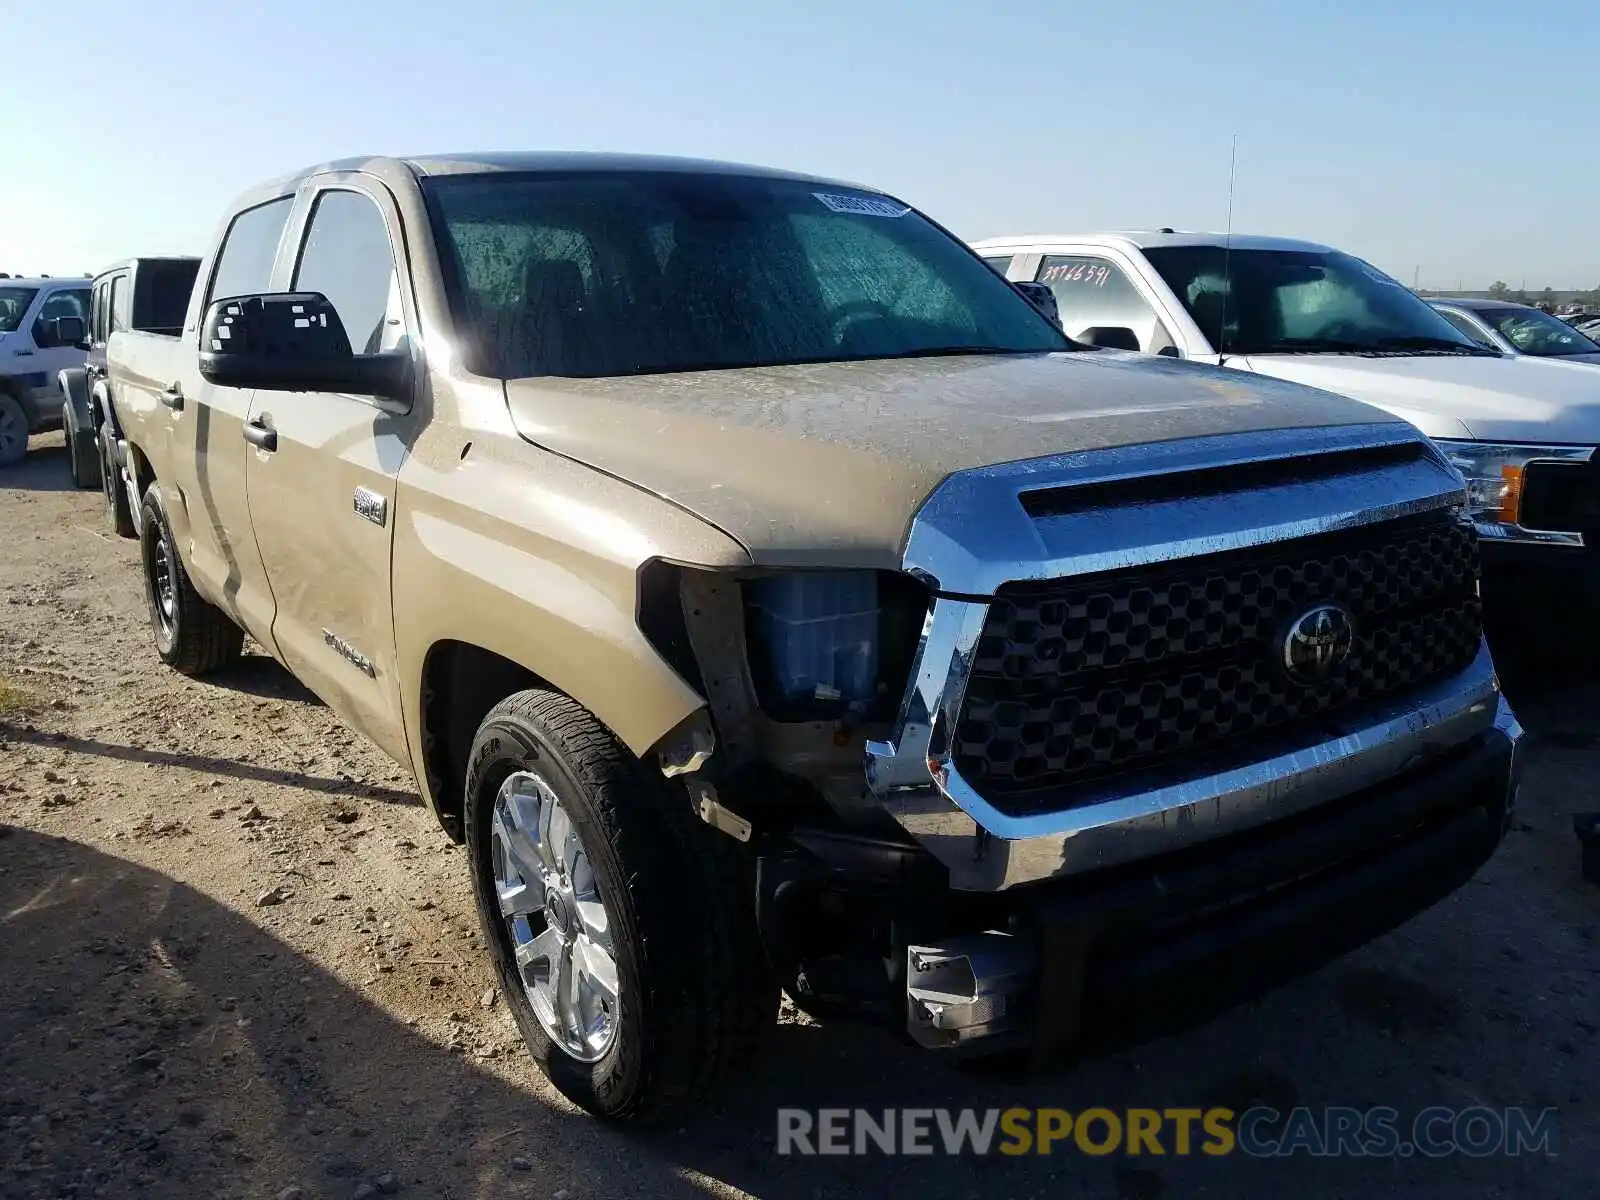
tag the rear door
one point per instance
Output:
(99, 328)
(206, 429)
(322, 491)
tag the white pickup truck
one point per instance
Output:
(42, 324)
(1522, 430)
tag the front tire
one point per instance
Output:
(592, 874)
(13, 431)
(193, 636)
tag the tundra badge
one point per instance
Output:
(349, 653)
(372, 505)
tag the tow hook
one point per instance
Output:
(968, 988)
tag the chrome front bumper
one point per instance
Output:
(913, 776)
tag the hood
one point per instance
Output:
(1511, 399)
(827, 463)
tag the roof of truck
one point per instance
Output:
(123, 263)
(1145, 239)
(1473, 302)
(395, 169)
(563, 160)
(45, 281)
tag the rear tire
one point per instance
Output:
(13, 431)
(119, 512)
(83, 455)
(693, 998)
(193, 636)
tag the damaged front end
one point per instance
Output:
(1069, 777)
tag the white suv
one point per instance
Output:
(42, 327)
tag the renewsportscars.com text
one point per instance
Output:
(1256, 1132)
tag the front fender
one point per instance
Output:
(536, 558)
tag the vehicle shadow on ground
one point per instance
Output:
(155, 1043)
(207, 765)
(264, 676)
(43, 470)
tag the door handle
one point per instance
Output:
(172, 397)
(260, 436)
(23, 353)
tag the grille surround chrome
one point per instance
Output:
(973, 536)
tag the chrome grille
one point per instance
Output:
(1078, 680)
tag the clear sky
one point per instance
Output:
(1462, 138)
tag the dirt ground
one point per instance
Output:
(238, 958)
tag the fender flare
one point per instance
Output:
(77, 409)
(103, 409)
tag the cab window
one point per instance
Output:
(119, 303)
(244, 264)
(98, 308)
(1468, 328)
(346, 256)
(1094, 292)
(65, 304)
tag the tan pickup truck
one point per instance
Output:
(769, 595)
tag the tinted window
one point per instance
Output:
(97, 312)
(1537, 333)
(1095, 292)
(62, 304)
(119, 303)
(14, 303)
(1301, 302)
(597, 274)
(244, 266)
(163, 294)
(347, 258)
(1001, 263)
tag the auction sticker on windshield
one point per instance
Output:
(866, 206)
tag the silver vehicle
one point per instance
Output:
(1519, 329)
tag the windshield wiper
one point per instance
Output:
(1315, 346)
(955, 351)
(1384, 347)
(1426, 344)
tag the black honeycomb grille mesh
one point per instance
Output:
(1077, 680)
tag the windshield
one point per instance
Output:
(1537, 333)
(609, 273)
(14, 303)
(1302, 302)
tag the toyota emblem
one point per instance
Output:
(1317, 642)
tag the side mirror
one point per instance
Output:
(1041, 297)
(68, 331)
(293, 342)
(1110, 337)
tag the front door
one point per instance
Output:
(49, 357)
(322, 487)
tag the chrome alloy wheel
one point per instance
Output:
(164, 584)
(559, 926)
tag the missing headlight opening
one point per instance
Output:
(832, 644)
